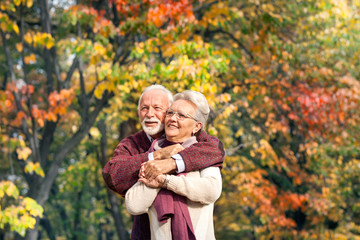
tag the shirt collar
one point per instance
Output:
(151, 139)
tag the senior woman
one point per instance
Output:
(179, 206)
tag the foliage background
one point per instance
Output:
(282, 78)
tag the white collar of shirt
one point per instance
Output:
(151, 139)
(178, 158)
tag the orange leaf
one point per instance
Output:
(8, 103)
(51, 117)
(30, 59)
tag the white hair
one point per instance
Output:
(202, 107)
(157, 87)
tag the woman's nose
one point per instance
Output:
(174, 117)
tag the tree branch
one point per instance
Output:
(237, 41)
(68, 146)
(73, 67)
(8, 57)
(45, 23)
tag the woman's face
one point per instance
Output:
(177, 128)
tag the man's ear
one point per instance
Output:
(197, 127)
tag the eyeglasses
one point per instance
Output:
(180, 116)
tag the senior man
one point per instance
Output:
(132, 153)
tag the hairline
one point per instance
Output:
(157, 87)
(194, 97)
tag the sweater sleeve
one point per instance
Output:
(121, 172)
(139, 198)
(208, 152)
(205, 189)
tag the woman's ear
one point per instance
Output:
(197, 127)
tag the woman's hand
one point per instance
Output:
(154, 183)
(154, 168)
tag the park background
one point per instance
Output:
(282, 78)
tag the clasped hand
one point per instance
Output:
(152, 172)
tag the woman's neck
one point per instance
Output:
(176, 140)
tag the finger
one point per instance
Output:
(150, 177)
(153, 175)
(141, 175)
(148, 174)
(141, 172)
(143, 180)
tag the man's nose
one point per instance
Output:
(150, 112)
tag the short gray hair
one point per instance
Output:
(157, 87)
(202, 106)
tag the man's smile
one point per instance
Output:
(151, 124)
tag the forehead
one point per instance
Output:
(155, 97)
(182, 105)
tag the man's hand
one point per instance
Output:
(167, 152)
(151, 169)
(155, 183)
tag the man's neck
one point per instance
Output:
(159, 135)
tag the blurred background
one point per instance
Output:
(282, 79)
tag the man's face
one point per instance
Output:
(152, 109)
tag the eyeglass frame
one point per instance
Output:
(177, 114)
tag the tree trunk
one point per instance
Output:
(115, 212)
(45, 223)
(113, 199)
(32, 234)
(77, 219)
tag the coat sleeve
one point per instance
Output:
(205, 189)
(139, 198)
(209, 151)
(121, 172)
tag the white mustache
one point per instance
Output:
(146, 119)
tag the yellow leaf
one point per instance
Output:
(19, 47)
(99, 91)
(38, 170)
(99, 49)
(49, 44)
(94, 132)
(22, 143)
(47, 40)
(11, 190)
(23, 153)
(213, 89)
(15, 28)
(239, 132)
(17, 2)
(3, 26)
(28, 38)
(29, 3)
(29, 168)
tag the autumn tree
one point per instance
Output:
(71, 60)
(280, 76)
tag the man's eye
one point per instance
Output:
(170, 113)
(158, 108)
(144, 108)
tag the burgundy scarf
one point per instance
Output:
(167, 205)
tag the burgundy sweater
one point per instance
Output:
(121, 172)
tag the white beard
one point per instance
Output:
(152, 130)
